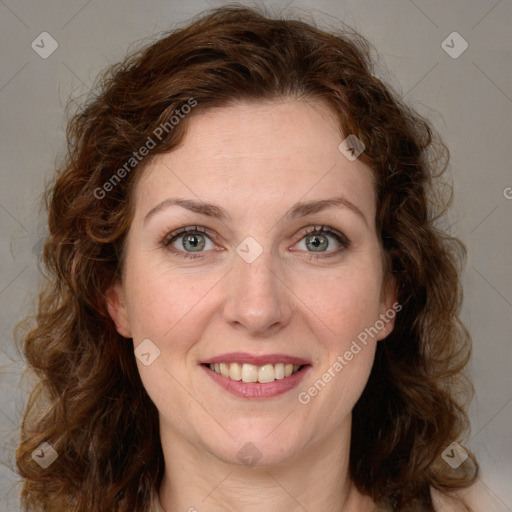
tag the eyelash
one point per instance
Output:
(169, 238)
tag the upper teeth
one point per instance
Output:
(252, 373)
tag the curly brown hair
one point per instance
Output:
(89, 402)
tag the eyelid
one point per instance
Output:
(323, 229)
(168, 237)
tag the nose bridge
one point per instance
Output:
(257, 298)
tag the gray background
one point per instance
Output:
(468, 98)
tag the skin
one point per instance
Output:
(256, 160)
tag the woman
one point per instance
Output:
(249, 299)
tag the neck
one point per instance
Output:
(317, 479)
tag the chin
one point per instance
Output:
(256, 450)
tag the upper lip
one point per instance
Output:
(261, 360)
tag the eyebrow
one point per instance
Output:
(298, 210)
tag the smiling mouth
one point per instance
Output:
(253, 373)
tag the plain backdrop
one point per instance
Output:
(468, 97)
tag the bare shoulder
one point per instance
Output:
(476, 498)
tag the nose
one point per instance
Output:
(258, 300)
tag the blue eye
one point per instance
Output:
(192, 237)
(192, 241)
(317, 239)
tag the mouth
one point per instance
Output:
(263, 380)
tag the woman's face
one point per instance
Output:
(252, 285)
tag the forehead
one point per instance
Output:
(261, 153)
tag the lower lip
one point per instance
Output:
(256, 389)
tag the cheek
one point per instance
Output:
(346, 316)
(344, 303)
(159, 299)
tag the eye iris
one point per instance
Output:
(314, 241)
(196, 241)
